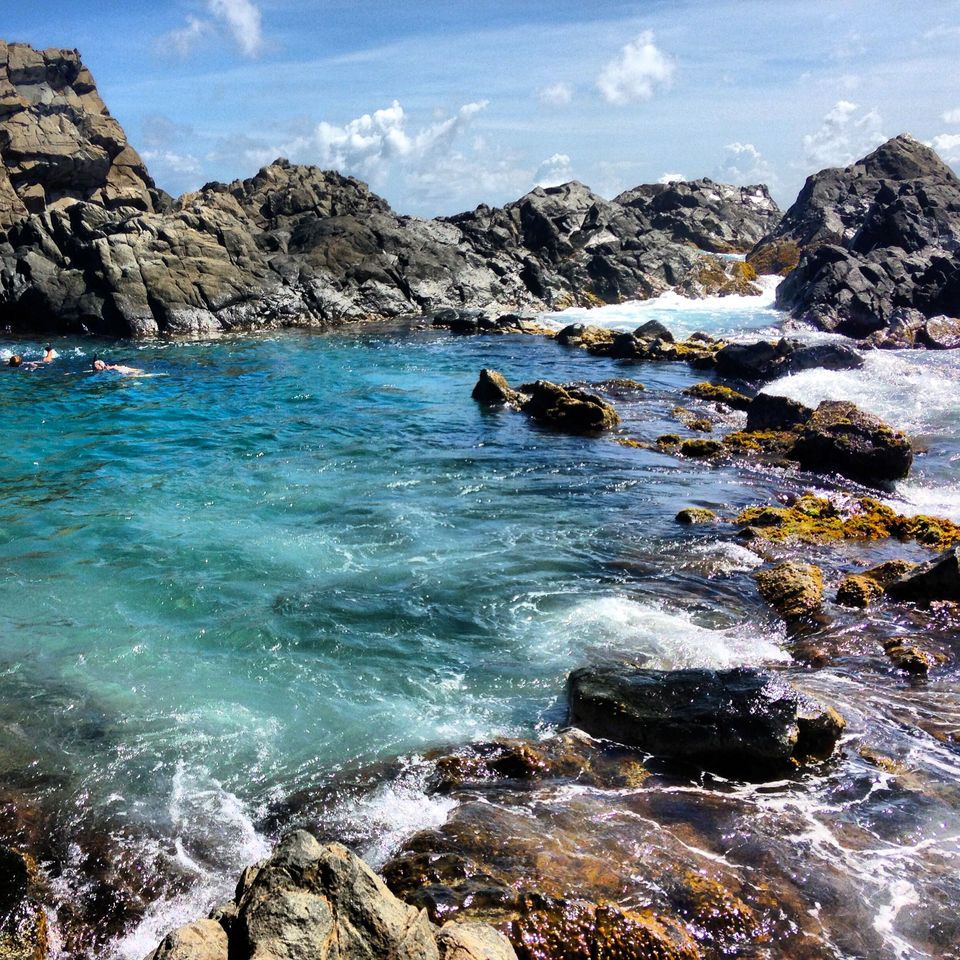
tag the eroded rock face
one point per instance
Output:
(311, 900)
(938, 579)
(741, 721)
(878, 237)
(91, 245)
(58, 142)
(793, 589)
(766, 360)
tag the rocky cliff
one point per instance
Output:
(880, 241)
(88, 245)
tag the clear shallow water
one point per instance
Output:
(276, 557)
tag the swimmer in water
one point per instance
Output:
(99, 366)
(49, 354)
(16, 360)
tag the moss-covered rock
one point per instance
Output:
(695, 515)
(23, 922)
(717, 393)
(701, 449)
(777, 257)
(860, 590)
(793, 589)
(816, 520)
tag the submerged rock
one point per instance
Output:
(717, 393)
(310, 900)
(692, 515)
(840, 437)
(793, 589)
(938, 579)
(741, 721)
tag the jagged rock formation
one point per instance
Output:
(880, 242)
(87, 244)
(310, 900)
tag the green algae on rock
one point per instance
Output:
(692, 515)
(817, 520)
(718, 393)
(793, 589)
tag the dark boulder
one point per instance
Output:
(492, 389)
(743, 721)
(653, 330)
(567, 408)
(23, 922)
(766, 360)
(841, 438)
(767, 412)
(938, 579)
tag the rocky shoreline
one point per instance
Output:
(556, 846)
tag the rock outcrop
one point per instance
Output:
(89, 245)
(741, 721)
(880, 242)
(793, 589)
(938, 579)
(311, 900)
(23, 922)
(566, 408)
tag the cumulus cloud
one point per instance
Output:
(743, 164)
(672, 178)
(556, 95)
(845, 135)
(948, 146)
(553, 171)
(241, 19)
(632, 76)
(951, 116)
(370, 145)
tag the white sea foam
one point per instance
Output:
(913, 497)
(395, 811)
(917, 392)
(724, 557)
(214, 838)
(681, 314)
(671, 639)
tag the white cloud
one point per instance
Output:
(672, 178)
(948, 146)
(243, 19)
(632, 76)
(372, 145)
(164, 163)
(554, 171)
(183, 41)
(744, 165)
(951, 116)
(844, 136)
(556, 95)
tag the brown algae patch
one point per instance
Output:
(816, 520)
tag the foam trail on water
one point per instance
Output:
(682, 315)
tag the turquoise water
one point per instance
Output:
(274, 557)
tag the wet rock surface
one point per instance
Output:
(937, 579)
(793, 589)
(877, 237)
(739, 720)
(310, 900)
(566, 408)
(23, 923)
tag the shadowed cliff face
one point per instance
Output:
(90, 246)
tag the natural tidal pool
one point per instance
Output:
(273, 558)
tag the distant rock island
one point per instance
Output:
(90, 245)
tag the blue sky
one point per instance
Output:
(444, 104)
